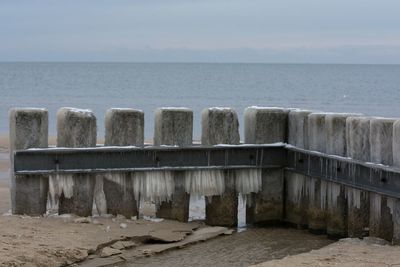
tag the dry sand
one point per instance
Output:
(347, 252)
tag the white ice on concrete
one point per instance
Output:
(323, 192)
(205, 182)
(156, 186)
(375, 212)
(354, 197)
(59, 184)
(296, 187)
(248, 181)
(99, 196)
(333, 194)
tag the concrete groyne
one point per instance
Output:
(334, 173)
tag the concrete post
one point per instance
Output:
(221, 126)
(296, 185)
(336, 144)
(358, 147)
(77, 128)
(123, 127)
(396, 202)
(174, 126)
(381, 140)
(298, 128)
(317, 188)
(265, 126)
(28, 129)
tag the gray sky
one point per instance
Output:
(310, 31)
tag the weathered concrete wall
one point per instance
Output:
(123, 127)
(174, 126)
(28, 129)
(381, 140)
(264, 126)
(358, 147)
(77, 128)
(221, 126)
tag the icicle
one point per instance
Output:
(58, 184)
(323, 193)
(333, 194)
(118, 178)
(156, 186)
(205, 182)
(311, 189)
(248, 181)
(99, 196)
(354, 198)
(241, 210)
(295, 188)
(390, 204)
(375, 206)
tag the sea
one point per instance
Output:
(369, 89)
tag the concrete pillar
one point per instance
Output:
(296, 185)
(381, 140)
(77, 128)
(396, 202)
(221, 126)
(266, 126)
(123, 127)
(358, 148)
(174, 126)
(298, 128)
(336, 144)
(317, 131)
(28, 129)
(317, 189)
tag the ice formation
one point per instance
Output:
(99, 196)
(354, 198)
(156, 186)
(296, 188)
(205, 182)
(59, 184)
(333, 191)
(247, 181)
(323, 192)
(375, 200)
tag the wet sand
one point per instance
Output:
(249, 247)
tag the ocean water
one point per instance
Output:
(369, 89)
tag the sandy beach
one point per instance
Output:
(97, 241)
